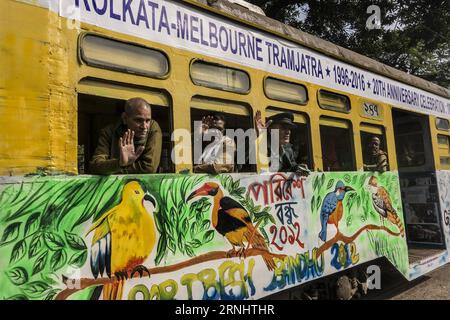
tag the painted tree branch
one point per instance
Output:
(210, 256)
(340, 237)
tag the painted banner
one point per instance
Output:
(182, 26)
(192, 236)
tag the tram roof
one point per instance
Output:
(328, 48)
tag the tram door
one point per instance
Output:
(418, 184)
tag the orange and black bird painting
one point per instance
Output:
(232, 221)
(124, 237)
(382, 204)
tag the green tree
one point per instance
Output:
(414, 36)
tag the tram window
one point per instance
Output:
(219, 77)
(285, 91)
(337, 145)
(410, 144)
(370, 154)
(443, 142)
(445, 161)
(95, 113)
(442, 124)
(333, 101)
(300, 136)
(124, 57)
(237, 116)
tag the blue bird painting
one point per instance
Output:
(332, 210)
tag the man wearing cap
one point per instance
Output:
(377, 158)
(284, 160)
(132, 145)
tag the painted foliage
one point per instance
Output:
(192, 236)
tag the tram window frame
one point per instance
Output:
(371, 130)
(446, 144)
(83, 57)
(332, 123)
(438, 121)
(301, 120)
(324, 106)
(444, 150)
(96, 116)
(232, 110)
(218, 86)
(406, 132)
(267, 93)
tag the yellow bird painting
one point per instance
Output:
(123, 238)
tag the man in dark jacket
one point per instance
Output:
(131, 146)
(284, 160)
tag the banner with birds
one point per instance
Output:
(238, 236)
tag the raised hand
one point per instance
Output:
(128, 154)
(259, 124)
(207, 122)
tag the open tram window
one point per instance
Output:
(373, 140)
(97, 112)
(337, 145)
(300, 137)
(237, 119)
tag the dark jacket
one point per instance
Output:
(287, 162)
(106, 156)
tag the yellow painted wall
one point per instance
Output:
(39, 76)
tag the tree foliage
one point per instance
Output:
(414, 36)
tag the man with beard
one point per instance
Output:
(130, 146)
(376, 159)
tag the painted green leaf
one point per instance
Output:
(313, 203)
(39, 264)
(11, 233)
(18, 297)
(35, 246)
(31, 222)
(205, 225)
(18, 276)
(193, 227)
(196, 243)
(240, 190)
(36, 288)
(161, 249)
(315, 181)
(355, 179)
(78, 259)
(172, 247)
(51, 294)
(189, 251)
(53, 241)
(209, 235)
(272, 219)
(330, 184)
(18, 251)
(58, 260)
(319, 202)
(322, 180)
(75, 241)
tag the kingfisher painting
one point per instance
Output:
(332, 208)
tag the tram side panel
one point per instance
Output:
(63, 237)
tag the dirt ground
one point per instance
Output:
(433, 286)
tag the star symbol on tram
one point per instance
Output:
(328, 71)
(368, 84)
